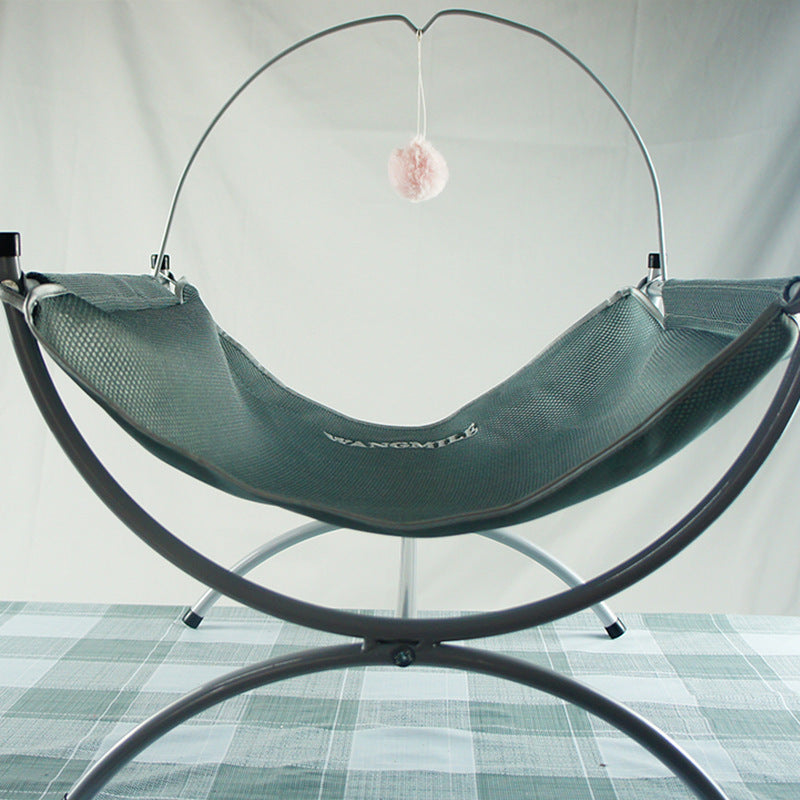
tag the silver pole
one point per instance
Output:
(407, 593)
(550, 563)
(195, 614)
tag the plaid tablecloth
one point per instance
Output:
(74, 678)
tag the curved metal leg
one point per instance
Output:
(399, 654)
(208, 695)
(628, 722)
(614, 626)
(406, 602)
(194, 616)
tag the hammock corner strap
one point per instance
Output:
(627, 386)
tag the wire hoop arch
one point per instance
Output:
(158, 265)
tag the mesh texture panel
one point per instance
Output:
(608, 400)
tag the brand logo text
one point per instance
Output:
(410, 444)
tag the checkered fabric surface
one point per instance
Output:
(74, 678)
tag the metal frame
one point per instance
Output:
(405, 640)
(406, 599)
(400, 641)
(470, 626)
(386, 654)
(407, 587)
(160, 267)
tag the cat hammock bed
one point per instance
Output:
(627, 386)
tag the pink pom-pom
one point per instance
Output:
(418, 171)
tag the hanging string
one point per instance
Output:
(422, 113)
(418, 171)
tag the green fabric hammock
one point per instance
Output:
(612, 397)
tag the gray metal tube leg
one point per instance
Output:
(611, 622)
(406, 605)
(194, 616)
(206, 696)
(407, 587)
(401, 655)
(639, 729)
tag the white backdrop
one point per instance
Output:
(386, 310)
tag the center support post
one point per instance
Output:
(407, 588)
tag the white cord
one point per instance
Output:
(422, 113)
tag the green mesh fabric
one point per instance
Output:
(611, 398)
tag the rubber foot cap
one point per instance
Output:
(614, 630)
(193, 620)
(10, 245)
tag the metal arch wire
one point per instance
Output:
(347, 623)
(401, 18)
(662, 249)
(232, 99)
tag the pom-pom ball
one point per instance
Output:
(418, 171)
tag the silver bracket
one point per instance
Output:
(164, 275)
(10, 294)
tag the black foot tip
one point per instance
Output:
(616, 629)
(10, 244)
(191, 619)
